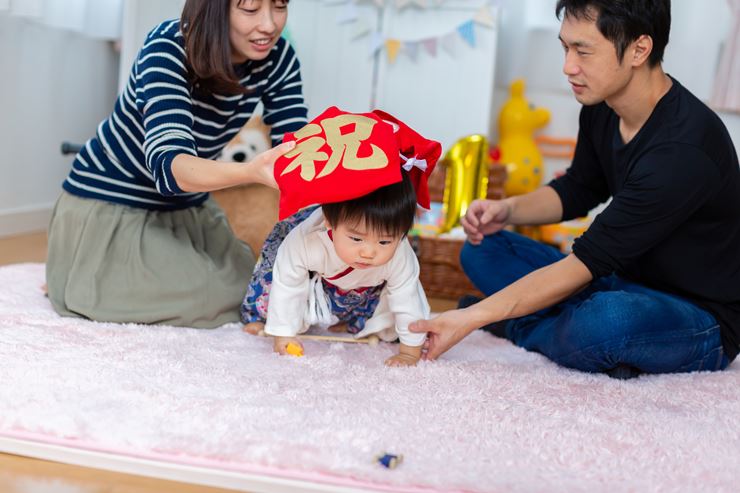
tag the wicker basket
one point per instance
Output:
(441, 273)
(439, 258)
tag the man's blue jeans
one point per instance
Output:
(613, 326)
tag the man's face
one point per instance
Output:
(591, 64)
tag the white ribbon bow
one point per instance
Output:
(412, 162)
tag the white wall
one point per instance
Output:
(140, 17)
(55, 86)
(445, 97)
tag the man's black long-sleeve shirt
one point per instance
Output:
(674, 220)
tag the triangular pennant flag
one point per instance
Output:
(411, 48)
(484, 17)
(449, 42)
(348, 14)
(430, 45)
(392, 46)
(361, 28)
(466, 32)
(376, 41)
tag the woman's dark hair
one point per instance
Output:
(623, 21)
(389, 210)
(205, 26)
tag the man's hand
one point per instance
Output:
(443, 332)
(485, 217)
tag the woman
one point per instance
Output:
(134, 236)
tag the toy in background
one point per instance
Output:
(562, 235)
(518, 121)
(455, 183)
(466, 173)
(466, 178)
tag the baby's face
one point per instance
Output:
(361, 247)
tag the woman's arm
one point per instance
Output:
(194, 174)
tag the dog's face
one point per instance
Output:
(245, 146)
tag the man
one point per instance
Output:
(654, 285)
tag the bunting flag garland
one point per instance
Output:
(392, 46)
(431, 46)
(466, 32)
(449, 43)
(411, 49)
(483, 16)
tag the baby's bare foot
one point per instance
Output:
(338, 328)
(402, 360)
(254, 328)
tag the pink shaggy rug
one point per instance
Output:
(487, 417)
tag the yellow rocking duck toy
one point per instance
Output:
(518, 151)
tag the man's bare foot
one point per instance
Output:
(254, 328)
(339, 328)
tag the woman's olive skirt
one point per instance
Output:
(114, 263)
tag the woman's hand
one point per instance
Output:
(443, 332)
(263, 165)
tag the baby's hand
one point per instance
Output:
(280, 345)
(407, 356)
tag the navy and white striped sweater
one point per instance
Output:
(156, 117)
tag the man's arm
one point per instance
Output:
(485, 217)
(540, 289)
(542, 206)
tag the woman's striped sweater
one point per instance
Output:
(157, 116)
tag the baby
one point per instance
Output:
(346, 262)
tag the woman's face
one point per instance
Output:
(255, 27)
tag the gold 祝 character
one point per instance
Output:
(307, 152)
(345, 147)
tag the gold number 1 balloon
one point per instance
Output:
(466, 179)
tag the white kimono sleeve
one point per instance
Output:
(286, 305)
(406, 298)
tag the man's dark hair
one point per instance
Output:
(388, 210)
(623, 21)
(205, 26)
